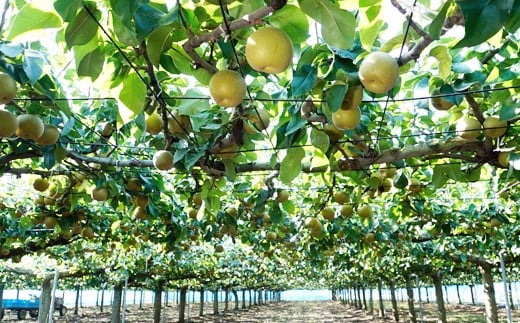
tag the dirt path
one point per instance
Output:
(280, 312)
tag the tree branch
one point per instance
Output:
(249, 20)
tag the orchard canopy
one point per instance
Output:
(349, 140)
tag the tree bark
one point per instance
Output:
(201, 308)
(412, 315)
(2, 285)
(116, 304)
(395, 309)
(510, 295)
(458, 294)
(365, 306)
(472, 295)
(334, 297)
(157, 304)
(441, 310)
(380, 294)
(226, 299)
(45, 300)
(215, 302)
(182, 304)
(235, 295)
(102, 301)
(371, 302)
(359, 303)
(243, 298)
(489, 290)
(76, 303)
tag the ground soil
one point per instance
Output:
(283, 312)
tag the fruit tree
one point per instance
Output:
(225, 144)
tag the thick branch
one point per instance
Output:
(248, 20)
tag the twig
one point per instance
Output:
(249, 20)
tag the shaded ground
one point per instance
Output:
(283, 312)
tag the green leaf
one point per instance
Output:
(230, 167)
(368, 33)
(338, 26)
(291, 165)
(67, 8)
(292, 21)
(304, 79)
(31, 18)
(494, 13)
(158, 42)
(91, 65)
(401, 182)
(335, 96)
(276, 214)
(133, 94)
(443, 56)
(435, 27)
(513, 23)
(439, 176)
(147, 19)
(320, 139)
(48, 156)
(82, 28)
(33, 65)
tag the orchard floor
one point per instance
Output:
(280, 312)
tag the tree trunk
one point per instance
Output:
(250, 300)
(2, 285)
(489, 290)
(441, 310)
(458, 294)
(365, 306)
(446, 294)
(215, 302)
(371, 302)
(380, 294)
(235, 294)
(102, 302)
(226, 299)
(428, 295)
(116, 304)
(182, 304)
(45, 300)
(201, 309)
(359, 299)
(510, 296)
(76, 303)
(395, 309)
(334, 297)
(472, 295)
(409, 292)
(157, 304)
(243, 298)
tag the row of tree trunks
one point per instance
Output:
(356, 296)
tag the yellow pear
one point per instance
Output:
(50, 136)
(8, 123)
(29, 127)
(163, 160)
(8, 88)
(346, 119)
(378, 72)
(468, 128)
(494, 127)
(154, 124)
(227, 88)
(269, 50)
